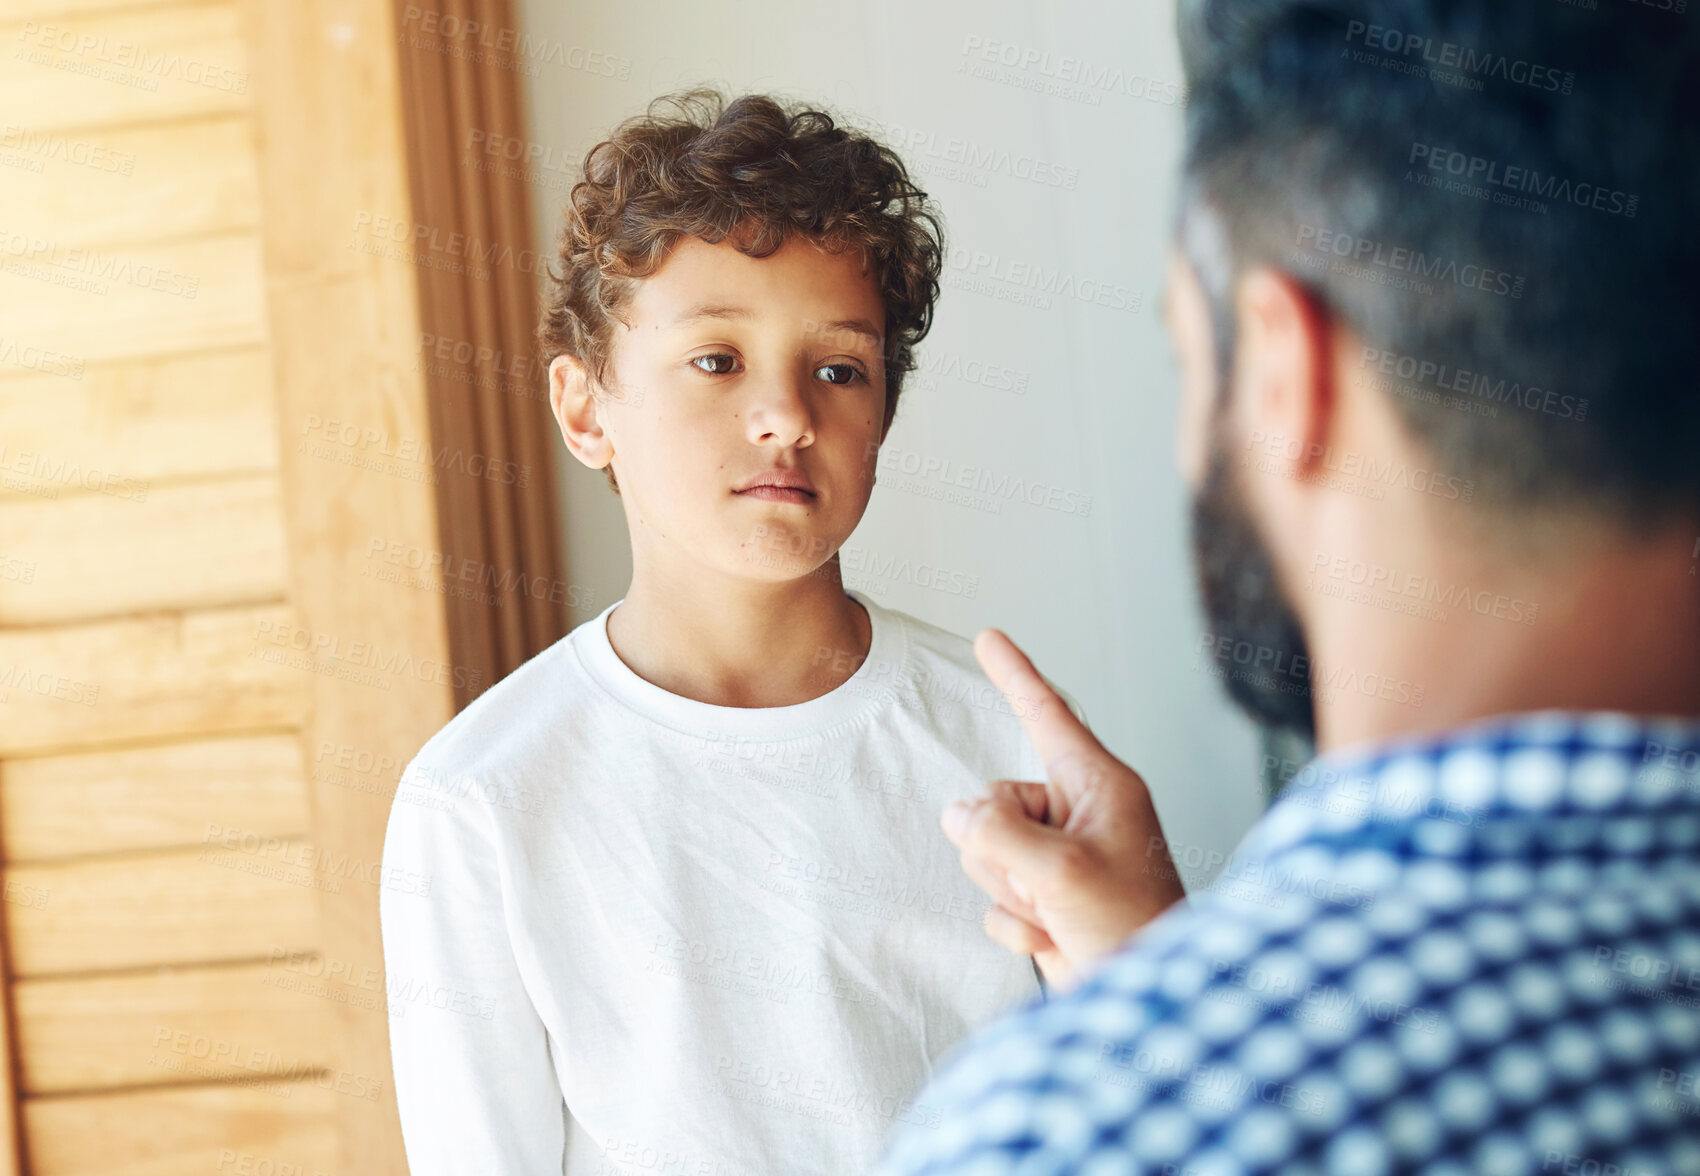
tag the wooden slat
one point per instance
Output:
(151, 677)
(124, 67)
(176, 1025)
(173, 907)
(133, 184)
(143, 300)
(213, 1130)
(152, 797)
(62, 10)
(176, 416)
(200, 545)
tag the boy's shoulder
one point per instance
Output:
(941, 657)
(513, 723)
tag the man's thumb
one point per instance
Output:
(1005, 838)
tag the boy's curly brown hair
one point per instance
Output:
(754, 171)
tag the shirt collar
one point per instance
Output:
(1549, 761)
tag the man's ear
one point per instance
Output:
(1186, 314)
(1283, 369)
(577, 411)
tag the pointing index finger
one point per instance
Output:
(1056, 734)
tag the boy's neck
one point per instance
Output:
(734, 642)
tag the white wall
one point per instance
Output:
(1103, 601)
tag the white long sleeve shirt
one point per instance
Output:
(659, 936)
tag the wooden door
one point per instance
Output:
(233, 466)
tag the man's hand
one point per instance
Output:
(1075, 865)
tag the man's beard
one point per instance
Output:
(1256, 643)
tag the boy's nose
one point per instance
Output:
(780, 413)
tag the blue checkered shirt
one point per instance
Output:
(1473, 953)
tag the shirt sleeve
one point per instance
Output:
(474, 1079)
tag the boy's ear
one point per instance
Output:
(577, 412)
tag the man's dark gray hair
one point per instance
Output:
(1497, 196)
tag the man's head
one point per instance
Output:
(741, 289)
(1446, 234)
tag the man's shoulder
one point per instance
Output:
(1215, 1013)
(1303, 1016)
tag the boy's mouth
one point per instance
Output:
(778, 485)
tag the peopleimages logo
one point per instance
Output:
(373, 448)
(43, 474)
(48, 145)
(977, 159)
(431, 242)
(1062, 74)
(1449, 61)
(1400, 258)
(1269, 668)
(1525, 181)
(997, 486)
(51, 363)
(98, 55)
(1491, 391)
(481, 41)
(85, 268)
(1274, 447)
(1414, 586)
(985, 272)
(900, 569)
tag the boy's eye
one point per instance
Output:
(839, 373)
(719, 364)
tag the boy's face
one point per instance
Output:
(734, 371)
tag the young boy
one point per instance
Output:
(691, 909)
